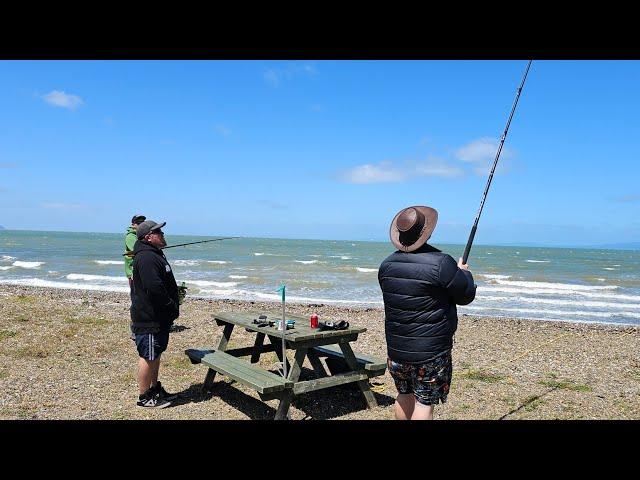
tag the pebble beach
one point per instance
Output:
(61, 349)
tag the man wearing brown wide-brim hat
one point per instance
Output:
(420, 287)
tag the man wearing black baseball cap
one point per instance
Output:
(154, 307)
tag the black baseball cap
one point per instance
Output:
(137, 219)
(147, 227)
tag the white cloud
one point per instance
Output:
(222, 130)
(275, 76)
(438, 168)
(386, 172)
(482, 150)
(482, 153)
(64, 100)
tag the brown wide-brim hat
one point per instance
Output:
(412, 227)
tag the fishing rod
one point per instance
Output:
(472, 234)
(201, 241)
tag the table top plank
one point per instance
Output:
(301, 332)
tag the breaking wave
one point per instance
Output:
(89, 278)
(366, 270)
(38, 282)
(27, 264)
(186, 263)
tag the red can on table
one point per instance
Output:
(314, 321)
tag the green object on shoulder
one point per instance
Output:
(130, 240)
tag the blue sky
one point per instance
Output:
(322, 149)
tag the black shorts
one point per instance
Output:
(151, 345)
(429, 382)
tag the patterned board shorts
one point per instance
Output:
(429, 381)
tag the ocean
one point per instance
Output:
(566, 284)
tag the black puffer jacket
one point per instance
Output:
(154, 299)
(420, 291)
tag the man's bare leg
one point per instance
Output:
(405, 403)
(154, 375)
(147, 373)
(422, 412)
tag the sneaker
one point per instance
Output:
(163, 393)
(152, 399)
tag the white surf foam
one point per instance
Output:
(38, 282)
(556, 286)
(207, 283)
(7, 258)
(538, 261)
(90, 278)
(257, 254)
(186, 263)
(6, 268)
(495, 276)
(27, 264)
(564, 293)
(251, 295)
(221, 262)
(306, 262)
(560, 302)
(582, 313)
(238, 276)
(366, 270)
(109, 262)
(609, 268)
(217, 291)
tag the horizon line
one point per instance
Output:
(603, 246)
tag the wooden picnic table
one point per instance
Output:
(345, 366)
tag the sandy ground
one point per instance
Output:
(66, 354)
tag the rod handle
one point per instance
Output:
(467, 249)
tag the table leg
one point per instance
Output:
(318, 368)
(298, 360)
(282, 412)
(350, 358)
(283, 406)
(277, 343)
(222, 346)
(255, 356)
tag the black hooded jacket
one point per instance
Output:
(154, 299)
(420, 290)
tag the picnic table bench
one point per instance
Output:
(345, 366)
